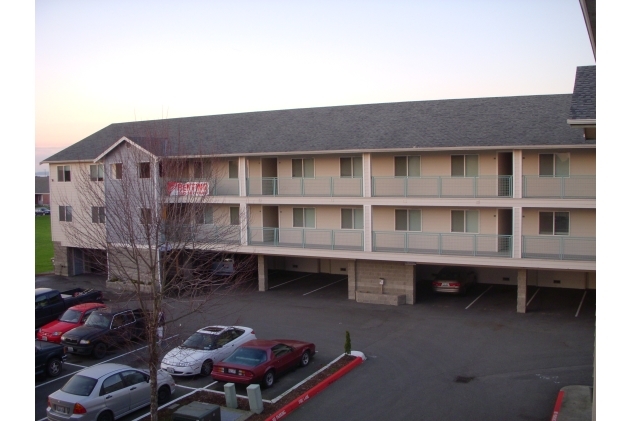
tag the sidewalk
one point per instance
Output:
(574, 403)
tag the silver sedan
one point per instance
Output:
(106, 392)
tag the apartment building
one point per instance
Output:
(384, 193)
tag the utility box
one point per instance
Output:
(197, 411)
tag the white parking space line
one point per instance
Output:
(324, 286)
(276, 286)
(43, 419)
(76, 365)
(581, 304)
(533, 296)
(211, 384)
(99, 363)
(472, 302)
(186, 387)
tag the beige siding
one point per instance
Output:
(582, 222)
(254, 168)
(256, 216)
(582, 162)
(436, 220)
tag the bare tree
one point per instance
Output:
(152, 207)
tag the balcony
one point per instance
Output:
(484, 186)
(557, 247)
(179, 235)
(446, 244)
(319, 186)
(192, 187)
(575, 187)
(307, 238)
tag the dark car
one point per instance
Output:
(261, 361)
(454, 280)
(49, 358)
(42, 211)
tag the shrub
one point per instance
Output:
(347, 343)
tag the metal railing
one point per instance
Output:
(320, 186)
(307, 238)
(482, 186)
(181, 234)
(196, 187)
(447, 244)
(558, 247)
(574, 187)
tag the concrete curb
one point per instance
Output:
(305, 397)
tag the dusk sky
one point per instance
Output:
(98, 63)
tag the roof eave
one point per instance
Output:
(582, 122)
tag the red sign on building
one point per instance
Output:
(175, 188)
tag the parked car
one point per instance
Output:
(42, 211)
(105, 328)
(261, 361)
(204, 348)
(454, 280)
(75, 316)
(50, 303)
(49, 358)
(106, 392)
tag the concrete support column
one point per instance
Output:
(367, 227)
(243, 222)
(410, 283)
(263, 277)
(522, 284)
(352, 279)
(367, 175)
(518, 166)
(517, 232)
(242, 176)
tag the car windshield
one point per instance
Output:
(202, 341)
(98, 320)
(71, 316)
(247, 356)
(79, 385)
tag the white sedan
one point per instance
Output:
(204, 348)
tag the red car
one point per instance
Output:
(73, 317)
(261, 361)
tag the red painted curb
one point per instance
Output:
(557, 406)
(293, 405)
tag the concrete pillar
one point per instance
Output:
(518, 220)
(243, 222)
(231, 395)
(352, 279)
(263, 278)
(521, 290)
(367, 228)
(242, 176)
(255, 399)
(410, 283)
(367, 175)
(518, 172)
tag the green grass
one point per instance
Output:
(43, 245)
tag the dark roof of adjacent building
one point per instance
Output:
(518, 121)
(41, 185)
(584, 97)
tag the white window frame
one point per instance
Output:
(235, 220)
(354, 218)
(555, 155)
(408, 220)
(146, 216)
(205, 215)
(464, 163)
(141, 167)
(304, 218)
(465, 216)
(554, 223)
(63, 173)
(302, 167)
(65, 213)
(98, 214)
(114, 173)
(233, 166)
(353, 161)
(407, 165)
(97, 172)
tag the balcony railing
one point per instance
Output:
(447, 244)
(482, 186)
(180, 234)
(307, 238)
(574, 187)
(558, 247)
(320, 186)
(203, 187)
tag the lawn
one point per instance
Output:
(43, 245)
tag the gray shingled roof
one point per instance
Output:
(478, 122)
(41, 185)
(584, 96)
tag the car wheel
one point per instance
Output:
(268, 380)
(207, 368)
(305, 358)
(53, 367)
(105, 416)
(99, 351)
(164, 393)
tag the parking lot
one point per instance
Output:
(448, 357)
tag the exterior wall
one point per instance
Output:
(301, 264)
(61, 259)
(327, 217)
(432, 163)
(125, 269)
(398, 278)
(582, 161)
(582, 221)
(324, 166)
(562, 279)
(436, 220)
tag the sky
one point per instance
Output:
(103, 62)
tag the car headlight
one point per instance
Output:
(84, 342)
(63, 338)
(56, 333)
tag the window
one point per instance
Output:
(204, 214)
(304, 217)
(351, 167)
(63, 173)
(233, 169)
(116, 171)
(464, 221)
(280, 350)
(234, 215)
(65, 213)
(145, 216)
(144, 170)
(554, 165)
(554, 223)
(464, 165)
(96, 172)
(201, 169)
(407, 220)
(98, 214)
(302, 168)
(353, 219)
(112, 384)
(132, 377)
(407, 166)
